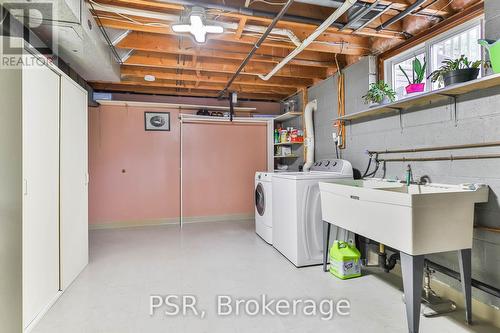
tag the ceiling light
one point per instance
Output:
(149, 78)
(197, 26)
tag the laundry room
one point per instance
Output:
(250, 166)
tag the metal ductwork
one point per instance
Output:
(68, 27)
(401, 15)
(250, 12)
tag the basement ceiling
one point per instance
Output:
(141, 33)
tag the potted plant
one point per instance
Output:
(416, 84)
(457, 71)
(380, 93)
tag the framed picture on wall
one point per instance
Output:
(157, 121)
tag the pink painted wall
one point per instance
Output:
(221, 158)
(149, 187)
(219, 165)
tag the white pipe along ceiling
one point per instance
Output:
(174, 18)
(325, 25)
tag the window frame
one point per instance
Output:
(426, 48)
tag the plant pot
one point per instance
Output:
(385, 101)
(460, 76)
(415, 87)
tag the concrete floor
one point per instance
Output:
(209, 259)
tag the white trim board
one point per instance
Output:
(173, 105)
(169, 221)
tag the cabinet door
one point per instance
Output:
(41, 189)
(74, 193)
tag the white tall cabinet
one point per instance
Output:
(74, 181)
(43, 189)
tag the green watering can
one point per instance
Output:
(494, 50)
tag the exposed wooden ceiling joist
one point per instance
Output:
(120, 87)
(211, 86)
(190, 75)
(174, 45)
(182, 67)
(220, 65)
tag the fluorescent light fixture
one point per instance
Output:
(196, 25)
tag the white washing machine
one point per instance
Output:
(296, 223)
(263, 206)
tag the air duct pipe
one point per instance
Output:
(122, 11)
(401, 15)
(325, 25)
(249, 12)
(309, 142)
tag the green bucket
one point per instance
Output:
(345, 260)
(494, 51)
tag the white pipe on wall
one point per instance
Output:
(309, 141)
(325, 25)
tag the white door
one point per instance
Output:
(74, 193)
(41, 189)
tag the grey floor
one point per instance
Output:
(210, 259)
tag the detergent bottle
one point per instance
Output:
(345, 260)
(493, 47)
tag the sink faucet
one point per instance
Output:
(409, 175)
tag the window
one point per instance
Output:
(452, 44)
(399, 81)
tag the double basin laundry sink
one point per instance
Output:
(415, 219)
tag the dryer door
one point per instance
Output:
(260, 199)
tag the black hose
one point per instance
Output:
(391, 263)
(367, 167)
(372, 174)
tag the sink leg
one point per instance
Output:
(412, 268)
(465, 260)
(326, 241)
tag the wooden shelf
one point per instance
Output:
(286, 156)
(288, 143)
(287, 116)
(423, 99)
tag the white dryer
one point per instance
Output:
(297, 223)
(263, 206)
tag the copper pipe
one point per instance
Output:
(439, 158)
(490, 229)
(451, 147)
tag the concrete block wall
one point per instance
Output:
(478, 120)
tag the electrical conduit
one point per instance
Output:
(325, 25)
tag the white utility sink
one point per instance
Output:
(416, 220)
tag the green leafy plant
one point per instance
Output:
(418, 73)
(378, 91)
(449, 65)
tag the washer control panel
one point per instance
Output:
(329, 165)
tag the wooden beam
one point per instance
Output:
(221, 66)
(241, 26)
(469, 13)
(212, 49)
(178, 92)
(206, 86)
(162, 7)
(191, 75)
(339, 45)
